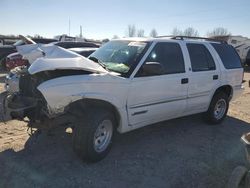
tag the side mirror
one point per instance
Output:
(152, 68)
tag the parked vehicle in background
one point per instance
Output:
(7, 40)
(124, 85)
(67, 45)
(5, 50)
(241, 44)
(15, 59)
(85, 52)
(1, 42)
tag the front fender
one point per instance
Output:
(59, 94)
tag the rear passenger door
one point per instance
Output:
(204, 76)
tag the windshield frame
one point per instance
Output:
(138, 59)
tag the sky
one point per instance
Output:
(105, 18)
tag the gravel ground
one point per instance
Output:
(184, 152)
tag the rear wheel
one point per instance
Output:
(92, 135)
(248, 62)
(218, 108)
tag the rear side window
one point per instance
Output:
(201, 59)
(228, 56)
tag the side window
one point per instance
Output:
(228, 56)
(201, 59)
(168, 56)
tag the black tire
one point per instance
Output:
(210, 114)
(247, 180)
(237, 177)
(247, 62)
(3, 64)
(84, 134)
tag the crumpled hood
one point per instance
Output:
(51, 57)
(76, 63)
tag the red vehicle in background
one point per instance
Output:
(15, 60)
(83, 48)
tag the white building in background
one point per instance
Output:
(241, 44)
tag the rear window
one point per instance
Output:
(228, 56)
(201, 59)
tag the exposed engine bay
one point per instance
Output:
(23, 99)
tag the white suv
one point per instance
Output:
(125, 85)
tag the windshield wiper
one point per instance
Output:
(99, 62)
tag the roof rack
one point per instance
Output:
(165, 36)
(189, 37)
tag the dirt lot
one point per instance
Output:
(184, 152)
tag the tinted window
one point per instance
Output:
(169, 55)
(201, 59)
(228, 56)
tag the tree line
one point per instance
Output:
(132, 31)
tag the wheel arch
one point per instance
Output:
(94, 103)
(227, 89)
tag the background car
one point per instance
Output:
(15, 59)
(72, 44)
(5, 50)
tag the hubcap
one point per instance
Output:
(103, 135)
(220, 109)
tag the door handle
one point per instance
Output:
(184, 80)
(215, 77)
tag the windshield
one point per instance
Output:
(119, 56)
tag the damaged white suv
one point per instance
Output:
(124, 85)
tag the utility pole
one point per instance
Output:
(80, 31)
(69, 26)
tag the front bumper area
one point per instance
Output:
(19, 107)
(16, 106)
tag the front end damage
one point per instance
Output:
(26, 102)
(23, 100)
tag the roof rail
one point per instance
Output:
(190, 37)
(165, 36)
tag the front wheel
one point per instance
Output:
(93, 134)
(237, 177)
(218, 108)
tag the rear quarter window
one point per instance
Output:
(228, 56)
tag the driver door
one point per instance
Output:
(159, 96)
